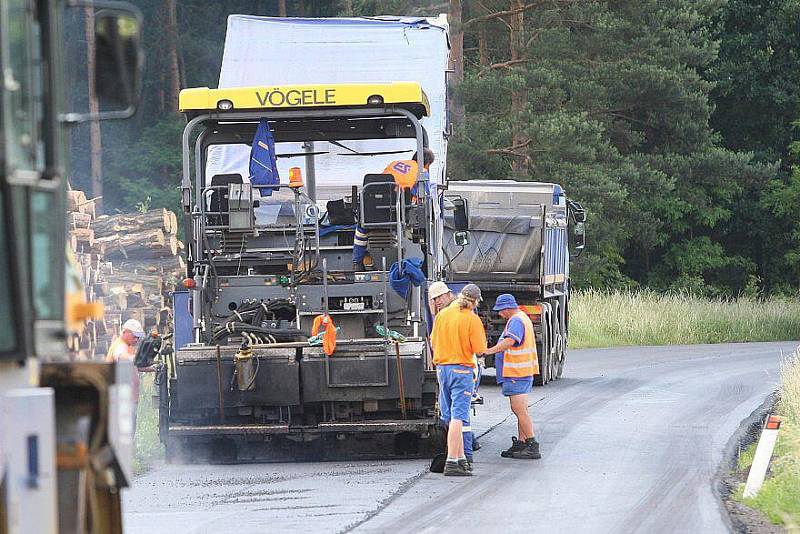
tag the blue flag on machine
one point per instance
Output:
(263, 163)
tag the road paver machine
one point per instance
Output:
(253, 375)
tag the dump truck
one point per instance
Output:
(338, 104)
(520, 234)
(65, 425)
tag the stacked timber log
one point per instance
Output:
(87, 265)
(138, 236)
(130, 262)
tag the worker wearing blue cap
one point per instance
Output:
(516, 363)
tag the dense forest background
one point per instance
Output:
(670, 120)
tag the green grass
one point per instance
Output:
(148, 449)
(779, 497)
(607, 319)
(746, 456)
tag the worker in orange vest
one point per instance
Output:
(405, 171)
(516, 364)
(405, 177)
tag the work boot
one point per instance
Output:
(530, 451)
(456, 469)
(516, 446)
(466, 464)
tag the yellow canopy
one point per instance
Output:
(408, 95)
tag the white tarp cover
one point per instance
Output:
(275, 51)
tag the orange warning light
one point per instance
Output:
(295, 177)
(189, 283)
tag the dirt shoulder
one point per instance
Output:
(743, 519)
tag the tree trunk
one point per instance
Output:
(519, 97)
(483, 48)
(77, 219)
(95, 142)
(282, 8)
(84, 236)
(76, 200)
(140, 245)
(158, 219)
(157, 266)
(348, 8)
(457, 55)
(173, 66)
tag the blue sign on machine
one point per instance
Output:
(182, 316)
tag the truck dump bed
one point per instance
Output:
(500, 244)
(513, 226)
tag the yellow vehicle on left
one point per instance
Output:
(65, 426)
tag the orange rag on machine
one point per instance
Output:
(329, 337)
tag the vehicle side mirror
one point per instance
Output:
(461, 238)
(118, 61)
(576, 211)
(460, 214)
(579, 230)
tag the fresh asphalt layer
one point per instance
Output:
(631, 439)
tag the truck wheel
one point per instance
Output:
(543, 348)
(559, 344)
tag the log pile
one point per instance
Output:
(129, 262)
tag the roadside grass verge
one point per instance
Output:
(617, 318)
(148, 449)
(779, 497)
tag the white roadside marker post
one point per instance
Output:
(758, 471)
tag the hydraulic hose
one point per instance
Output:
(258, 333)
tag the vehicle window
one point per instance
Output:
(21, 83)
(338, 166)
(48, 263)
(8, 334)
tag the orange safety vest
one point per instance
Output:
(522, 361)
(404, 172)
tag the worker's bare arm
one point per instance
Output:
(503, 344)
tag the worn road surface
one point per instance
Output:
(631, 439)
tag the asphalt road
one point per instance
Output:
(631, 439)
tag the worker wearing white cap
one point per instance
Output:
(439, 297)
(123, 349)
